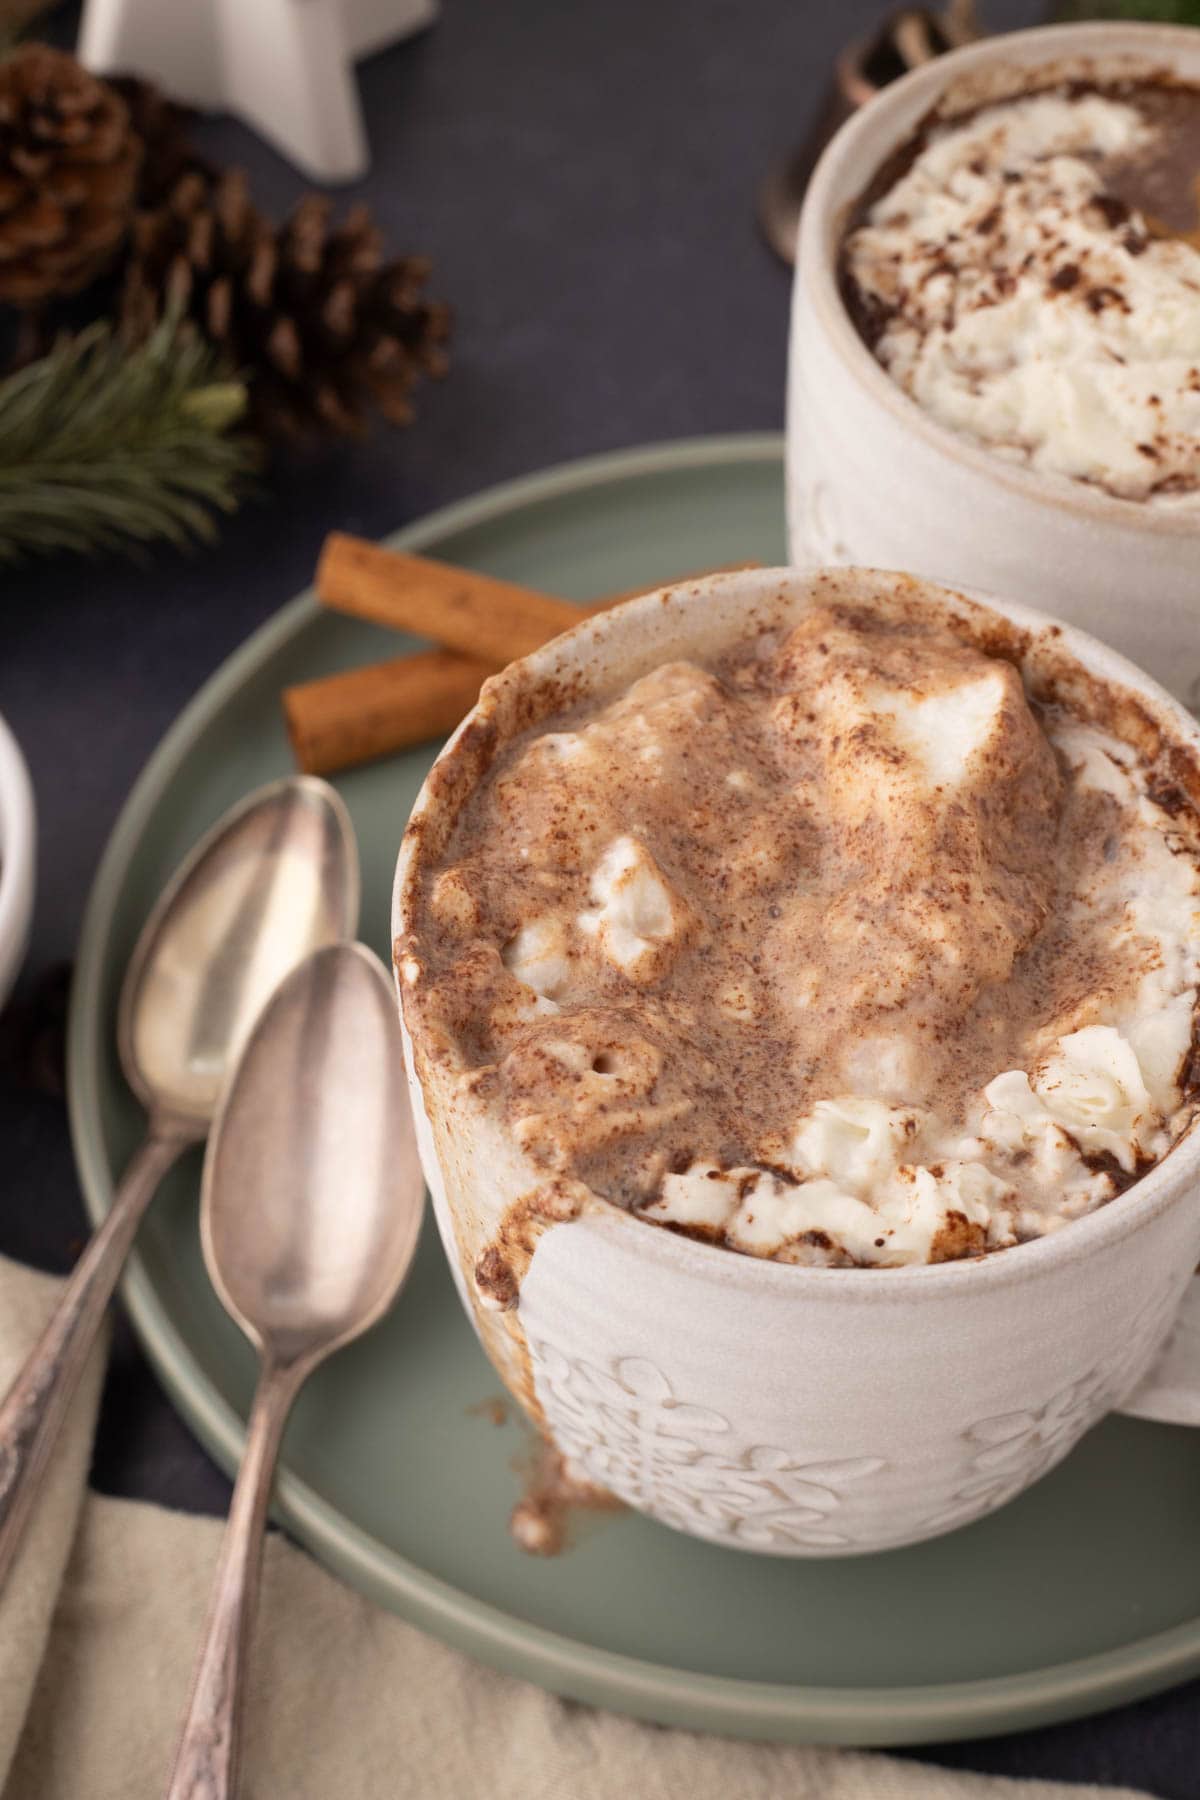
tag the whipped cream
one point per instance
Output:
(1003, 289)
(913, 1215)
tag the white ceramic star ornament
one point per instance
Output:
(284, 66)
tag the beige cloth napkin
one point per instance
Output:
(345, 1702)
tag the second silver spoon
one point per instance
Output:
(310, 1214)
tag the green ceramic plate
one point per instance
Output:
(1084, 1592)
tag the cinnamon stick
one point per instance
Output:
(341, 720)
(497, 621)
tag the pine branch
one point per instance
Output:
(103, 447)
(1161, 12)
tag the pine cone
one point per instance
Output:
(321, 328)
(68, 170)
(163, 126)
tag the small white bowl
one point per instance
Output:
(17, 841)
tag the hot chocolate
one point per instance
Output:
(837, 946)
(1029, 273)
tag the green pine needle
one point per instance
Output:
(1161, 12)
(103, 447)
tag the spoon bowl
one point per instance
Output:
(311, 1199)
(275, 878)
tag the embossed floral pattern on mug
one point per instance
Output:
(1012, 1450)
(625, 1429)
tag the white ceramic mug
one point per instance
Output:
(801, 1411)
(874, 479)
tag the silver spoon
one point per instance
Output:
(310, 1211)
(277, 876)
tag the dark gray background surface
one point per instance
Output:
(583, 174)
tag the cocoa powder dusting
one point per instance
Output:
(1146, 193)
(813, 897)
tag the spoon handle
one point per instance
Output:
(206, 1762)
(33, 1410)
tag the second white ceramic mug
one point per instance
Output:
(873, 479)
(798, 1411)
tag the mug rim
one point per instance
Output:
(816, 270)
(1136, 1206)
